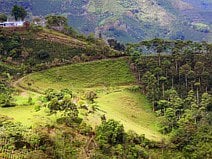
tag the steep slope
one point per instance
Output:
(129, 20)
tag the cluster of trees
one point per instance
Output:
(18, 12)
(56, 22)
(176, 77)
(69, 137)
(114, 142)
(46, 140)
(10, 45)
(160, 46)
(116, 45)
(6, 99)
(183, 69)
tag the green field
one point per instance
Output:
(110, 79)
(25, 113)
(132, 110)
(96, 74)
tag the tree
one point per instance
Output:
(170, 117)
(197, 85)
(157, 71)
(150, 83)
(116, 45)
(56, 22)
(160, 47)
(166, 66)
(206, 102)
(90, 95)
(110, 132)
(172, 71)
(91, 37)
(43, 55)
(19, 12)
(3, 17)
(163, 105)
(163, 80)
(6, 99)
(184, 70)
(189, 100)
(199, 69)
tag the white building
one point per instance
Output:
(12, 24)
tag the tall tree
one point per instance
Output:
(172, 71)
(184, 70)
(197, 85)
(166, 65)
(163, 80)
(19, 12)
(199, 69)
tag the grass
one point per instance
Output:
(80, 76)
(25, 113)
(110, 79)
(132, 110)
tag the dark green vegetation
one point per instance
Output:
(40, 48)
(128, 20)
(19, 12)
(179, 86)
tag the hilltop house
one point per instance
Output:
(15, 24)
(9, 24)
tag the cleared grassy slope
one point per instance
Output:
(111, 80)
(81, 76)
(133, 110)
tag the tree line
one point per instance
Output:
(176, 77)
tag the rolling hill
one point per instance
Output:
(113, 82)
(129, 20)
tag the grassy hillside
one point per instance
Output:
(79, 76)
(133, 110)
(112, 81)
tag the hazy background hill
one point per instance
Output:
(129, 20)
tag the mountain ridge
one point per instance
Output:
(129, 21)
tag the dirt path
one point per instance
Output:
(16, 85)
(23, 90)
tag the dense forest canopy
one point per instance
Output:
(176, 77)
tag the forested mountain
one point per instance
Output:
(65, 94)
(71, 111)
(129, 20)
